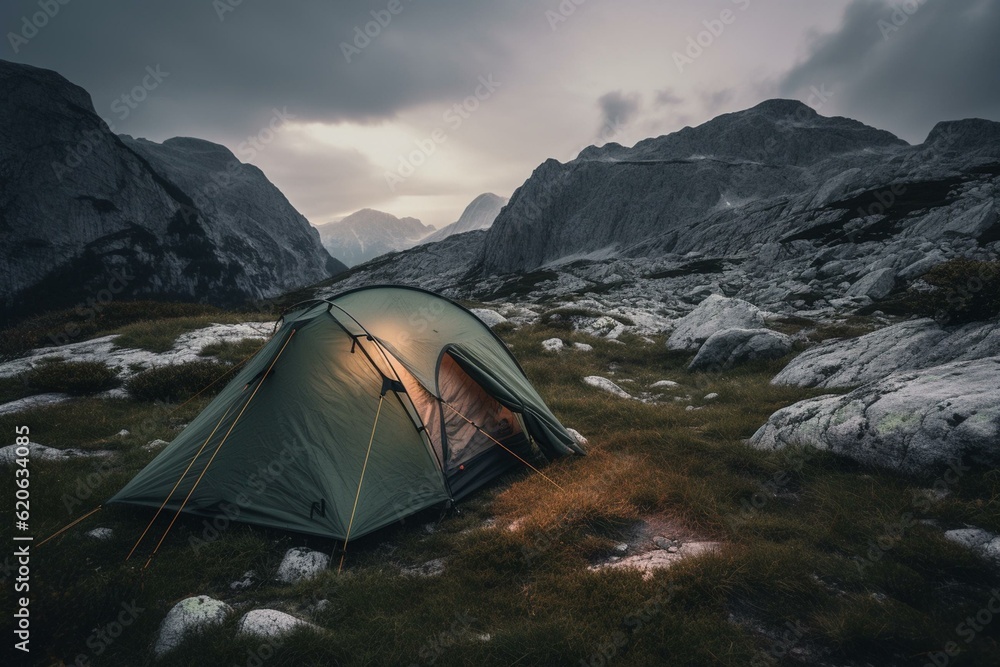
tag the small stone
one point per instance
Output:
(664, 384)
(621, 548)
(270, 624)
(583, 347)
(711, 397)
(673, 550)
(662, 542)
(552, 345)
(301, 564)
(580, 440)
(100, 534)
(123, 433)
(155, 444)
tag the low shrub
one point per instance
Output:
(79, 378)
(179, 382)
(967, 290)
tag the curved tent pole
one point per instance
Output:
(212, 458)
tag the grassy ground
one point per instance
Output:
(822, 561)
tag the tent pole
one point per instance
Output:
(357, 495)
(179, 480)
(210, 460)
(510, 451)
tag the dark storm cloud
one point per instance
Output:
(230, 63)
(618, 109)
(907, 64)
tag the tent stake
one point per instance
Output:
(357, 495)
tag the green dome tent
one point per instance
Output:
(361, 410)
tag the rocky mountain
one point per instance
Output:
(480, 214)
(85, 213)
(778, 205)
(368, 233)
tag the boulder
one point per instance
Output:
(270, 624)
(874, 285)
(915, 422)
(607, 385)
(910, 345)
(186, 618)
(713, 314)
(490, 318)
(729, 347)
(301, 564)
(982, 542)
(552, 345)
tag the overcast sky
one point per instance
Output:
(354, 114)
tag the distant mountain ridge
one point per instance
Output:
(82, 208)
(368, 233)
(776, 204)
(479, 214)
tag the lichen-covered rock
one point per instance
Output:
(301, 564)
(910, 345)
(552, 345)
(186, 618)
(729, 347)
(915, 422)
(270, 624)
(714, 314)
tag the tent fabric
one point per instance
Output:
(284, 443)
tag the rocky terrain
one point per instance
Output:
(84, 211)
(368, 233)
(739, 238)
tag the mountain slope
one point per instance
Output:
(776, 205)
(84, 212)
(479, 214)
(368, 233)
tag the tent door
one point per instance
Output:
(471, 457)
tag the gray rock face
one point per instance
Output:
(714, 314)
(729, 347)
(982, 542)
(909, 345)
(874, 285)
(915, 422)
(776, 173)
(480, 214)
(84, 210)
(367, 234)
